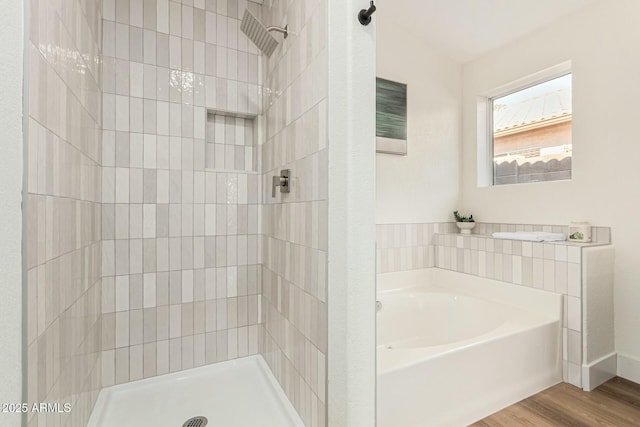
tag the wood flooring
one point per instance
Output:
(615, 403)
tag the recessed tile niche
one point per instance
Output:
(231, 142)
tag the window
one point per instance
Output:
(530, 132)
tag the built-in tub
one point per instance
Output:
(454, 348)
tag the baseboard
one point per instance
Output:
(599, 372)
(629, 367)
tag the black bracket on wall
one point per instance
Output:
(365, 14)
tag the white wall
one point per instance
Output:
(11, 160)
(351, 293)
(424, 185)
(602, 42)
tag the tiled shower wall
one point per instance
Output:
(231, 143)
(63, 208)
(294, 309)
(181, 238)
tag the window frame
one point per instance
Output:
(484, 113)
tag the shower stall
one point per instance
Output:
(197, 238)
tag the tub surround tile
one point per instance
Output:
(600, 235)
(403, 247)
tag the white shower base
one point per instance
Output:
(237, 393)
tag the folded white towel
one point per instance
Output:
(533, 236)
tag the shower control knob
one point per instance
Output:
(281, 181)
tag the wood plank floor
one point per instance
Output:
(615, 403)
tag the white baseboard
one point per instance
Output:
(599, 372)
(629, 367)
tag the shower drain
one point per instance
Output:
(196, 422)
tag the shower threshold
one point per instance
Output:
(236, 393)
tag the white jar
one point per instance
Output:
(580, 232)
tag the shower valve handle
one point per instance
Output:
(281, 181)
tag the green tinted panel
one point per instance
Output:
(391, 109)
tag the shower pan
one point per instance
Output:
(194, 398)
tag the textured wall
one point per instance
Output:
(294, 308)
(180, 208)
(422, 186)
(63, 217)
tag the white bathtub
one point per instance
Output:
(454, 348)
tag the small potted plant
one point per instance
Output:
(464, 223)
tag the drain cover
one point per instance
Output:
(195, 422)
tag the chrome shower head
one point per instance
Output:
(259, 34)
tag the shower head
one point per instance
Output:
(259, 34)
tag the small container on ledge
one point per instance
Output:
(465, 227)
(465, 224)
(580, 232)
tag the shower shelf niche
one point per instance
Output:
(231, 142)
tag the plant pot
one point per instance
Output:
(580, 232)
(465, 227)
